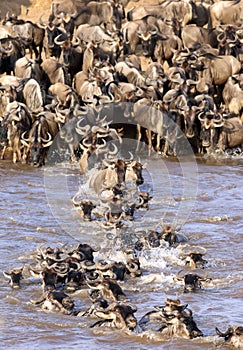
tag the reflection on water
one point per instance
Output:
(208, 209)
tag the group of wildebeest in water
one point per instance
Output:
(92, 75)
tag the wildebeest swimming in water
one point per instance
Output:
(171, 319)
(232, 336)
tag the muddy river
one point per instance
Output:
(203, 198)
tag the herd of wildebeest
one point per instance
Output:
(92, 75)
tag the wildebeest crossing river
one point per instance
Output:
(213, 221)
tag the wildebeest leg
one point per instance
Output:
(25, 154)
(166, 148)
(138, 137)
(157, 147)
(73, 158)
(149, 137)
(3, 151)
(16, 151)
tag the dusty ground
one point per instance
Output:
(33, 9)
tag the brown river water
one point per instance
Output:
(203, 198)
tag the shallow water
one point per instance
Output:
(204, 199)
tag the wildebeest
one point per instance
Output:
(226, 12)
(18, 120)
(54, 70)
(116, 315)
(233, 96)
(14, 276)
(172, 319)
(55, 301)
(98, 13)
(191, 281)
(11, 49)
(160, 47)
(85, 207)
(181, 11)
(40, 137)
(216, 69)
(71, 55)
(150, 115)
(30, 32)
(194, 258)
(52, 31)
(33, 95)
(219, 132)
(88, 33)
(28, 68)
(192, 35)
(116, 173)
(233, 336)
(48, 277)
(109, 289)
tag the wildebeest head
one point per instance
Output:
(134, 172)
(210, 122)
(173, 307)
(67, 47)
(52, 31)
(55, 300)
(194, 259)
(133, 267)
(144, 198)
(74, 280)
(152, 238)
(171, 236)
(109, 289)
(191, 282)
(38, 142)
(49, 279)
(119, 315)
(233, 336)
(87, 251)
(14, 276)
(148, 40)
(119, 269)
(86, 206)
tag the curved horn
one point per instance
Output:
(85, 143)
(221, 334)
(198, 250)
(41, 23)
(132, 267)
(221, 37)
(57, 42)
(218, 120)
(188, 310)
(202, 116)
(131, 157)
(75, 202)
(97, 129)
(23, 138)
(115, 150)
(76, 42)
(61, 268)
(48, 139)
(82, 129)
